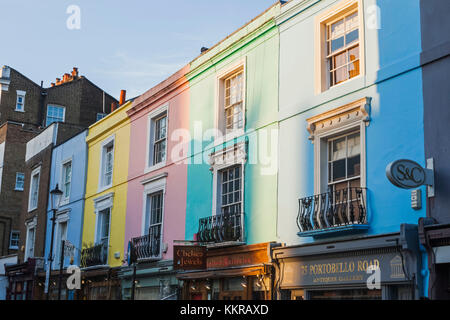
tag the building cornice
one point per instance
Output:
(292, 8)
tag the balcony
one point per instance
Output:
(147, 247)
(340, 211)
(221, 228)
(96, 255)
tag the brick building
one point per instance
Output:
(26, 109)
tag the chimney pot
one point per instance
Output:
(75, 72)
(113, 106)
(52, 84)
(123, 94)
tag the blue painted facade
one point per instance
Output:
(71, 210)
(391, 78)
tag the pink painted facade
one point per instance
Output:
(171, 95)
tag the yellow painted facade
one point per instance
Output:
(115, 126)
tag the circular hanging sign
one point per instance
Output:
(406, 174)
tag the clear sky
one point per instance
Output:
(121, 44)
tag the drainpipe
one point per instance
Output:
(425, 242)
(41, 109)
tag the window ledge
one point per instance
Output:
(18, 189)
(17, 110)
(155, 167)
(104, 188)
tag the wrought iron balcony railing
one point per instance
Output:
(331, 210)
(220, 228)
(96, 255)
(148, 246)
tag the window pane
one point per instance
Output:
(339, 60)
(353, 69)
(354, 147)
(337, 29)
(338, 170)
(352, 37)
(354, 166)
(351, 21)
(340, 75)
(339, 151)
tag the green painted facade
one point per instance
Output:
(257, 44)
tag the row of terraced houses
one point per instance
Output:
(257, 171)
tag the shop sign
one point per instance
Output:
(237, 259)
(189, 257)
(345, 270)
(408, 174)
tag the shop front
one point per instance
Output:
(436, 239)
(152, 281)
(385, 267)
(23, 280)
(242, 272)
(99, 284)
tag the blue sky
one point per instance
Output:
(132, 44)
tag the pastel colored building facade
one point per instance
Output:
(232, 172)
(157, 185)
(68, 171)
(106, 204)
(350, 103)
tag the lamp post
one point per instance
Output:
(56, 195)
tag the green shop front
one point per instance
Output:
(153, 280)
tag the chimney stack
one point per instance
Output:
(113, 106)
(66, 77)
(123, 94)
(75, 72)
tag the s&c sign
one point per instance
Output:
(408, 174)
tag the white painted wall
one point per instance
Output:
(43, 140)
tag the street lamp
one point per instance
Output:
(55, 199)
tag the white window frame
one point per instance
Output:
(152, 116)
(11, 238)
(61, 217)
(23, 185)
(152, 186)
(56, 106)
(29, 226)
(35, 172)
(66, 200)
(229, 157)
(351, 117)
(221, 135)
(101, 178)
(21, 94)
(100, 204)
(336, 12)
